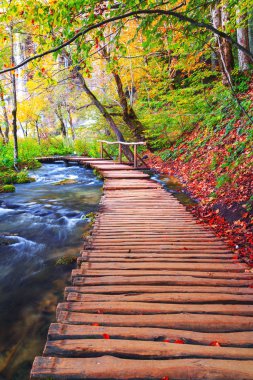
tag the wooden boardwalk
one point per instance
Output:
(156, 295)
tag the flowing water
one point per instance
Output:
(39, 223)
(173, 185)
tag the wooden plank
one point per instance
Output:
(66, 331)
(164, 297)
(141, 350)
(194, 322)
(107, 367)
(155, 308)
(209, 267)
(147, 289)
(160, 280)
(89, 272)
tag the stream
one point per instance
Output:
(39, 223)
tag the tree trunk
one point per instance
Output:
(224, 55)
(15, 106)
(1, 133)
(62, 124)
(71, 125)
(104, 112)
(226, 45)
(37, 130)
(250, 28)
(6, 120)
(127, 151)
(129, 116)
(243, 39)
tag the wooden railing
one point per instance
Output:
(136, 156)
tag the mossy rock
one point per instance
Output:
(66, 260)
(11, 176)
(23, 177)
(7, 189)
(65, 182)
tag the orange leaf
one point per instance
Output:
(215, 343)
(95, 324)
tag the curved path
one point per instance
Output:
(156, 295)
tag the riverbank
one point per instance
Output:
(226, 209)
(9, 177)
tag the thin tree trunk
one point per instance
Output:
(37, 130)
(62, 124)
(15, 106)
(250, 28)
(127, 151)
(6, 120)
(104, 112)
(225, 44)
(22, 129)
(243, 39)
(1, 133)
(71, 125)
(217, 23)
(129, 116)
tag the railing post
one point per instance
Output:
(135, 156)
(101, 150)
(120, 153)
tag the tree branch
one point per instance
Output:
(158, 12)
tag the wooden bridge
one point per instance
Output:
(156, 295)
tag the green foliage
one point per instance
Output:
(222, 180)
(7, 189)
(11, 176)
(29, 149)
(91, 216)
(241, 81)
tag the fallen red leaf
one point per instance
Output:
(94, 324)
(215, 343)
(166, 340)
(106, 336)
(179, 341)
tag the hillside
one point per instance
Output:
(215, 167)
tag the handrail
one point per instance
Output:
(136, 156)
(123, 142)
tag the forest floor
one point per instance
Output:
(218, 174)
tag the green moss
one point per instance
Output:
(7, 189)
(8, 177)
(97, 174)
(65, 182)
(66, 260)
(22, 177)
(91, 216)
